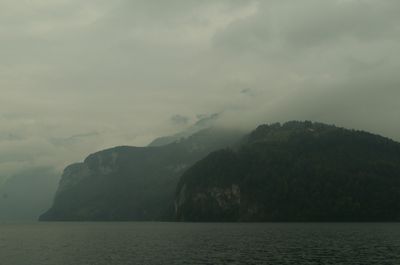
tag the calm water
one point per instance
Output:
(186, 243)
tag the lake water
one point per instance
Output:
(199, 243)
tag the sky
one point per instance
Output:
(80, 76)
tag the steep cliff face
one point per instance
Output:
(131, 183)
(210, 190)
(298, 171)
(212, 203)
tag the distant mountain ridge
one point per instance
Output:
(206, 121)
(297, 171)
(131, 183)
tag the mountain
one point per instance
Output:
(25, 196)
(297, 171)
(131, 183)
(205, 121)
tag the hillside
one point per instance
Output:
(298, 171)
(131, 183)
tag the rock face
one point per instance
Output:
(298, 171)
(131, 183)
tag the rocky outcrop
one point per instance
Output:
(298, 171)
(216, 199)
(131, 183)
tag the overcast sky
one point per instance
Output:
(78, 76)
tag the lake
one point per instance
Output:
(199, 243)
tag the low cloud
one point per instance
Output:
(180, 120)
(77, 76)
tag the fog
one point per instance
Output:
(80, 76)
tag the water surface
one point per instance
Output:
(199, 243)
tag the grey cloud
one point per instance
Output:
(180, 119)
(124, 68)
(248, 92)
(74, 139)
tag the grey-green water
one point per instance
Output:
(198, 243)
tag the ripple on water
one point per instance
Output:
(199, 243)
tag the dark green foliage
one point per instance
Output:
(298, 171)
(131, 183)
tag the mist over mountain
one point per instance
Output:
(25, 196)
(81, 76)
(297, 171)
(121, 119)
(204, 121)
(131, 183)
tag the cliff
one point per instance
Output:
(298, 171)
(131, 183)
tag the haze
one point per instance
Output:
(80, 76)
